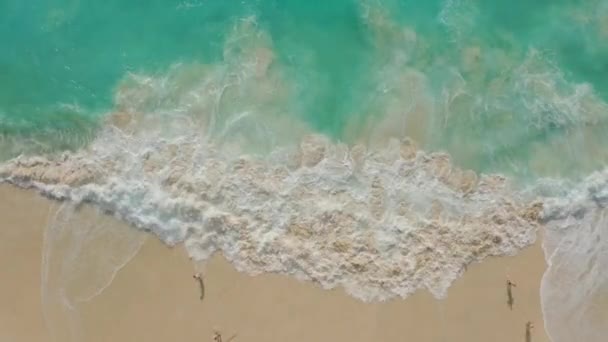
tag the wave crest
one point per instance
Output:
(381, 222)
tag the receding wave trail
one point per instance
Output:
(81, 256)
(228, 156)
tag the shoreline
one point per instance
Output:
(154, 297)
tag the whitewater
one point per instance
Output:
(383, 172)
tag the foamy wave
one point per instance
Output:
(381, 223)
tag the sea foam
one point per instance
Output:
(381, 223)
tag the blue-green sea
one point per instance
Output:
(501, 76)
(511, 87)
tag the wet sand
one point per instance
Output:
(154, 297)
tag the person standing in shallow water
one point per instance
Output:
(510, 300)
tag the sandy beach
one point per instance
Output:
(154, 297)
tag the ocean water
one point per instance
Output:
(378, 145)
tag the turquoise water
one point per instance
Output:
(62, 61)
